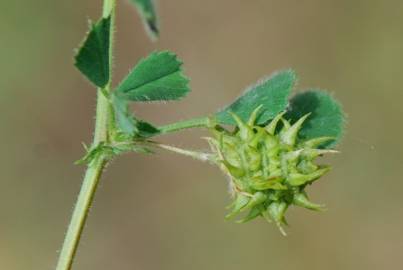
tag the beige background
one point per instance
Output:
(166, 212)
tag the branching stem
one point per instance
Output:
(95, 168)
(104, 125)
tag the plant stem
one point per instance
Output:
(84, 201)
(202, 156)
(95, 168)
(191, 123)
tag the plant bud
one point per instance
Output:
(268, 166)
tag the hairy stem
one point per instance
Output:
(85, 198)
(191, 123)
(95, 168)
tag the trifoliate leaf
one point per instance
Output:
(130, 125)
(326, 119)
(272, 94)
(148, 14)
(92, 58)
(158, 77)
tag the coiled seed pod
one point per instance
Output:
(268, 166)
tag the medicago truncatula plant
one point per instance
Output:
(265, 143)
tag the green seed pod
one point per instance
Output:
(269, 167)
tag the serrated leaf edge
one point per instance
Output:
(141, 61)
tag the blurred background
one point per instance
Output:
(167, 211)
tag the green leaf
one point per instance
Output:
(155, 78)
(146, 130)
(92, 58)
(326, 120)
(124, 119)
(130, 125)
(272, 94)
(146, 9)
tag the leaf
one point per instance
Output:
(155, 78)
(146, 129)
(124, 119)
(271, 93)
(92, 58)
(130, 125)
(147, 11)
(326, 120)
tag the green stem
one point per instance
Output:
(95, 168)
(191, 123)
(108, 8)
(202, 156)
(102, 117)
(76, 226)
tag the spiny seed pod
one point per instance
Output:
(268, 166)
